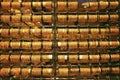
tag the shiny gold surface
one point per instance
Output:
(59, 40)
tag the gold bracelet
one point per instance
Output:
(62, 58)
(26, 45)
(5, 18)
(16, 5)
(15, 45)
(36, 59)
(36, 18)
(36, 45)
(48, 5)
(62, 72)
(26, 18)
(47, 45)
(36, 72)
(72, 6)
(61, 19)
(14, 33)
(47, 72)
(62, 6)
(5, 5)
(25, 59)
(37, 5)
(82, 18)
(72, 45)
(16, 18)
(15, 59)
(72, 19)
(47, 19)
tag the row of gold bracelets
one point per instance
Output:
(61, 5)
(71, 58)
(61, 32)
(37, 72)
(62, 45)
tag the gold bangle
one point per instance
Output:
(5, 18)
(84, 31)
(92, 18)
(46, 58)
(94, 58)
(26, 72)
(93, 6)
(72, 19)
(26, 18)
(47, 5)
(73, 31)
(61, 19)
(47, 45)
(26, 5)
(15, 72)
(5, 5)
(47, 19)
(62, 72)
(105, 31)
(14, 33)
(24, 32)
(16, 5)
(36, 45)
(103, 18)
(36, 18)
(62, 6)
(105, 70)
(114, 5)
(83, 45)
(62, 31)
(96, 71)
(4, 72)
(4, 59)
(15, 45)
(5, 32)
(46, 31)
(62, 45)
(26, 45)
(103, 44)
(103, 5)
(16, 18)
(93, 44)
(104, 57)
(73, 58)
(95, 31)
(4, 45)
(74, 72)
(82, 18)
(116, 70)
(25, 59)
(114, 44)
(35, 59)
(72, 6)
(83, 59)
(85, 72)
(36, 72)
(47, 72)
(115, 57)
(37, 5)
(15, 59)
(72, 45)
(62, 58)
(35, 32)
(114, 18)
(114, 31)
